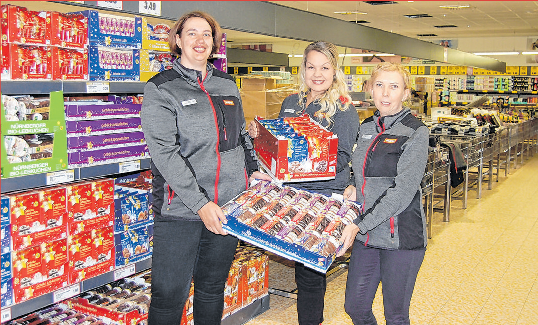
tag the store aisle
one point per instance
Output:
(480, 268)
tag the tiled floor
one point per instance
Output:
(480, 268)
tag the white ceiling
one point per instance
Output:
(481, 19)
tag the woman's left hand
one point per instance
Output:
(259, 175)
(348, 236)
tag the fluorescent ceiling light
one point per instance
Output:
(350, 12)
(497, 53)
(529, 53)
(366, 54)
(455, 6)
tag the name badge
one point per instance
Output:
(289, 110)
(229, 102)
(366, 136)
(188, 102)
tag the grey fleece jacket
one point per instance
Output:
(389, 163)
(195, 131)
(345, 125)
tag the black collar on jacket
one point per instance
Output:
(388, 121)
(191, 75)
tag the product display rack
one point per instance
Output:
(38, 87)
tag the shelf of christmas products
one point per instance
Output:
(126, 300)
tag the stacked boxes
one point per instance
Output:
(262, 98)
(33, 146)
(43, 45)
(296, 149)
(133, 223)
(7, 275)
(155, 55)
(104, 132)
(114, 46)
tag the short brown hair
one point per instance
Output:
(389, 66)
(178, 28)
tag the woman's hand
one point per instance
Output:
(350, 193)
(213, 217)
(259, 175)
(253, 129)
(348, 236)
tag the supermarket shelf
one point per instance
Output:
(31, 305)
(38, 87)
(498, 92)
(243, 315)
(40, 180)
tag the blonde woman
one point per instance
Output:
(324, 97)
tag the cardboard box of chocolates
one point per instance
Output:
(112, 30)
(295, 149)
(20, 25)
(68, 29)
(295, 224)
(113, 64)
(155, 37)
(33, 146)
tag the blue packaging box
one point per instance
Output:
(4, 206)
(114, 31)
(6, 239)
(7, 293)
(6, 266)
(131, 210)
(134, 244)
(112, 64)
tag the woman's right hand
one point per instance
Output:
(253, 129)
(350, 193)
(213, 218)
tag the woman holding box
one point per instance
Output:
(202, 157)
(324, 97)
(390, 235)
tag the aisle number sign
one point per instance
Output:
(433, 69)
(413, 69)
(534, 71)
(265, 68)
(236, 70)
(347, 70)
(523, 71)
(421, 69)
(293, 70)
(150, 7)
(249, 69)
(118, 5)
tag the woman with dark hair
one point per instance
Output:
(324, 97)
(202, 157)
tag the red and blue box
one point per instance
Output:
(113, 30)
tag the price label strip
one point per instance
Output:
(97, 87)
(149, 7)
(124, 272)
(129, 166)
(66, 292)
(6, 314)
(62, 176)
(111, 4)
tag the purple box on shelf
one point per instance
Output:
(98, 127)
(106, 156)
(114, 31)
(75, 112)
(111, 64)
(134, 244)
(4, 208)
(131, 210)
(114, 140)
(128, 99)
(7, 293)
(6, 238)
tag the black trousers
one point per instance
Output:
(311, 286)
(184, 251)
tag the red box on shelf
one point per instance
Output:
(82, 305)
(20, 25)
(39, 270)
(30, 224)
(69, 64)
(103, 196)
(91, 253)
(234, 290)
(68, 29)
(82, 212)
(30, 61)
(319, 162)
